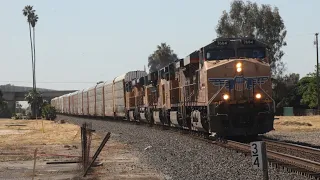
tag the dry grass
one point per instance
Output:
(16, 150)
(297, 123)
(34, 134)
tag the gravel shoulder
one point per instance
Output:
(299, 129)
(178, 156)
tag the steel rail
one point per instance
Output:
(291, 146)
(305, 164)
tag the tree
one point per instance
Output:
(263, 23)
(49, 112)
(32, 20)
(4, 111)
(35, 100)
(307, 88)
(28, 12)
(285, 91)
(161, 57)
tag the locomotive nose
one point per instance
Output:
(242, 80)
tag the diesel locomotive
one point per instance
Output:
(223, 88)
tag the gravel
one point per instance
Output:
(311, 138)
(181, 157)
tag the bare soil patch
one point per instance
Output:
(61, 142)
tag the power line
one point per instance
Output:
(299, 35)
(71, 82)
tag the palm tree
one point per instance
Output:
(28, 11)
(33, 21)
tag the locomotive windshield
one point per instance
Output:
(219, 54)
(252, 52)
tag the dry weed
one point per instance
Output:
(37, 132)
(297, 123)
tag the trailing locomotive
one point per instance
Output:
(223, 88)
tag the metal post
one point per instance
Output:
(104, 141)
(265, 161)
(259, 157)
(34, 163)
(89, 136)
(84, 145)
(318, 88)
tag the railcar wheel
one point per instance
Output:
(164, 117)
(127, 116)
(180, 118)
(150, 117)
(188, 122)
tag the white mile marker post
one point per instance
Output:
(259, 157)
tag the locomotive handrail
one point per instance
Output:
(274, 103)
(215, 95)
(190, 95)
(189, 84)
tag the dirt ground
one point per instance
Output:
(297, 123)
(61, 142)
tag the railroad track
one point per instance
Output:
(290, 163)
(287, 161)
(290, 158)
(306, 152)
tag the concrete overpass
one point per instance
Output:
(11, 94)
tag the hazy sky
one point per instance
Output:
(89, 41)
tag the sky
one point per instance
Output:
(79, 43)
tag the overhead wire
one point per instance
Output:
(52, 82)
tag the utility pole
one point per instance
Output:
(318, 87)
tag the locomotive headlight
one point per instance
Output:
(258, 95)
(225, 96)
(239, 65)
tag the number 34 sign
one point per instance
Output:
(259, 155)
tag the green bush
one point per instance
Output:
(49, 112)
(16, 116)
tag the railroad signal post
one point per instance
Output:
(259, 157)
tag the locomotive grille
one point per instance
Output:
(239, 84)
(242, 121)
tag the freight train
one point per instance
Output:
(224, 88)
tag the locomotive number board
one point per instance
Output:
(222, 43)
(248, 41)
